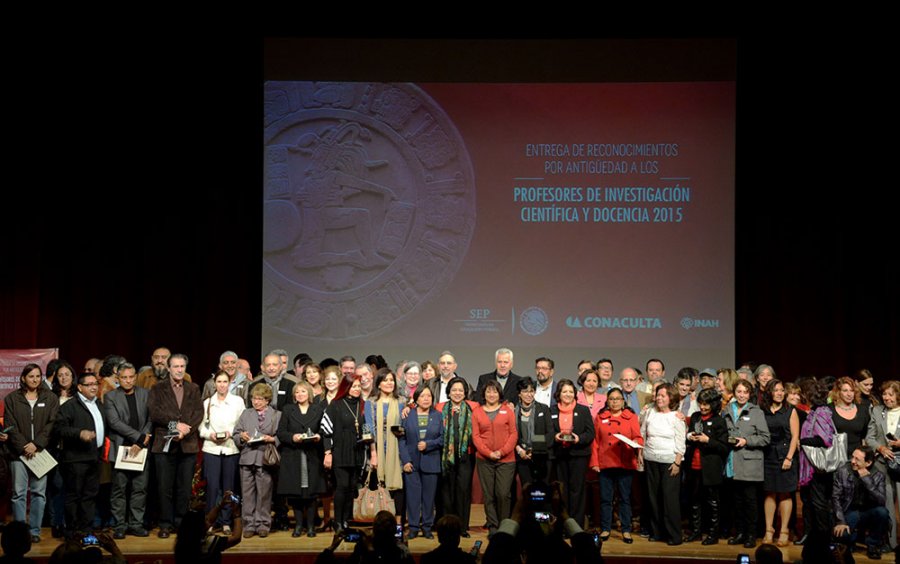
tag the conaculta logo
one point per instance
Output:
(595, 322)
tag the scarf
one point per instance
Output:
(818, 424)
(386, 444)
(449, 456)
(735, 412)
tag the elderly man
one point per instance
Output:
(634, 398)
(272, 376)
(503, 374)
(228, 363)
(176, 411)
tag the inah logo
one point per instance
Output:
(690, 323)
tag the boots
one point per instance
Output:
(712, 503)
(696, 524)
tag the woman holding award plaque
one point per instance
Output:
(302, 479)
(573, 436)
(221, 412)
(254, 432)
(342, 427)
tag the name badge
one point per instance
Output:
(281, 392)
(745, 418)
(541, 414)
(709, 423)
(553, 416)
(41, 405)
(605, 421)
(502, 412)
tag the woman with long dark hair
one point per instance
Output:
(779, 459)
(494, 435)
(382, 411)
(420, 454)
(816, 486)
(29, 415)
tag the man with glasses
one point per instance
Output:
(634, 398)
(546, 387)
(82, 428)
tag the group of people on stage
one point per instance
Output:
(720, 447)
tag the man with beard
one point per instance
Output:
(447, 367)
(176, 412)
(158, 369)
(546, 386)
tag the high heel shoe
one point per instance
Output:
(784, 538)
(769, 534)
(326, 526)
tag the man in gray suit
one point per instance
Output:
(129, 426)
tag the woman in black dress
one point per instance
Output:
(850, 416)
(302, 477)
(781, 470)
(342, 427)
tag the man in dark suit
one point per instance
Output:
(176, 413)
(82, 429)
(504, 375)
(447, 368)
(272, 376)
(129, 427)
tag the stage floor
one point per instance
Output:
(281, 546)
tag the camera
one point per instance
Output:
(90, 540)
(235, 498)
(542, 516)
(352, 535)
(743, 559)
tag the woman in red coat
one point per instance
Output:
(494, 435)
(615, 460)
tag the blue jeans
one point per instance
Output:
(24, 483)
(612, 479)
(873, 521)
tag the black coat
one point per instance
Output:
(510, 391)
(582, 425)
(712, 454)
(73, 418)
(340, 435)
(294, 421)
(543, 428)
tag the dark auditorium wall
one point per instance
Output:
(151, 234)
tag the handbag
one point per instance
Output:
(371, 500)
(271, 456)
(828, 459)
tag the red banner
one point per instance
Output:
(12, 361)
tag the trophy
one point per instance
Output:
(367, 437)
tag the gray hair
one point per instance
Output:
(412, 364)
(228, 353)
(182, 356)
(125, 366)
(503, 350)
(279, 352)
(762, 367)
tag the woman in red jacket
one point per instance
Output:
(615, 460)
(494, 434)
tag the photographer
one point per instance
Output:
(381, 546)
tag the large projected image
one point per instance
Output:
(422, 217)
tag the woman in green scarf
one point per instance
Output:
(458, 454)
